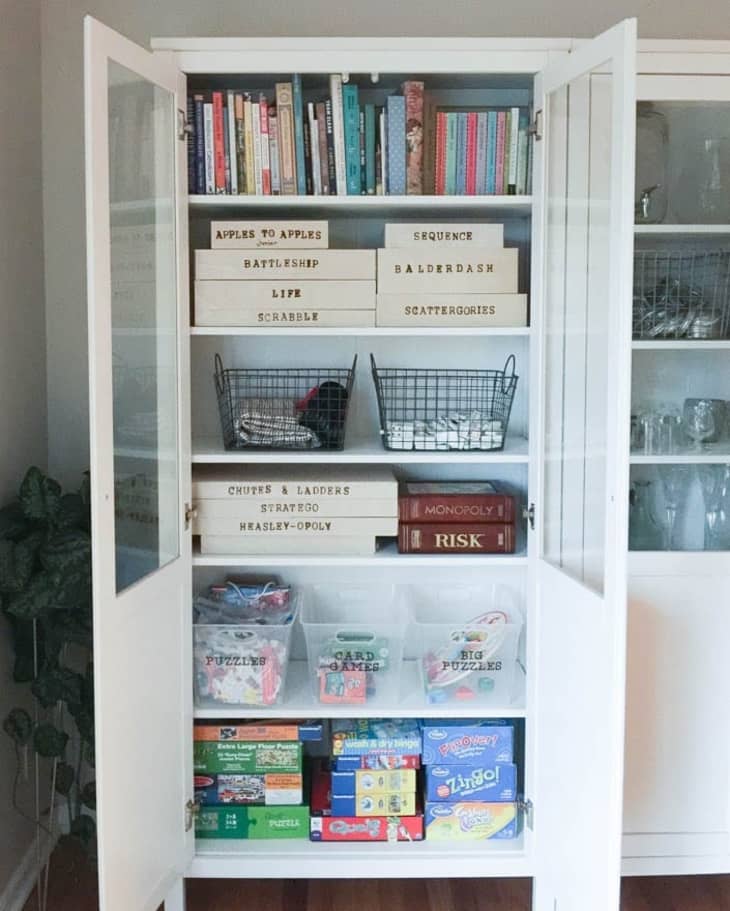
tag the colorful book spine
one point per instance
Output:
(191, 143)
(314, 149)
(370, 180)
(285, 114)
(274, 152)
(383, 145)
(322, 137)
(209, 148)
(232, 146)
(499, 160)
(461, 152)
(331, 162)
(450, 165)
(471, 153)
(481, 174)
(514, 138)
(199, 144)
(491, 151)
(248, 139)
(413, 94)
(298, 113)
(363, 184)
(256, 123)
(338, 133)
(440, 155)
(227, 148)
(240, 142)
(308, 175)
(455, 508)
(219, 146)
(351, 115)
(396, 105)
(429, 144)
(522, 143)
(265, 157)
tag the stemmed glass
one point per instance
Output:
(715, 483)
(703, 420)
(675, 484)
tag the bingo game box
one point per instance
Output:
(497, 782)
(361, 736)
(467, 743)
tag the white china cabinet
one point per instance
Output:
(154, 419)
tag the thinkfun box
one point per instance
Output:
(475, 743)
(495, 782)
(470, 821)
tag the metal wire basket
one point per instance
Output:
(681, 294)
(285, 408)
(435, 410)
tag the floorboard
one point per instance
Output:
(73, 888)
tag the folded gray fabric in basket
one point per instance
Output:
(273, 422)
(457, 430)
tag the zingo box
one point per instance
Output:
(475, 743)
(495, 783)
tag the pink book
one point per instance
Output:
(413, 94)
(471, 153)
(440, 163)
(265, 156)
(499, 174)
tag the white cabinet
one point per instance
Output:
(154, 418)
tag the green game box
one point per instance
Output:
(236, 757)
(252, 822)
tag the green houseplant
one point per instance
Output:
(45, 595)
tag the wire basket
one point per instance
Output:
(434, 410)
(681, 294)
(287, 408)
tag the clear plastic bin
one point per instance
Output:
(469, 642)
(243, 663)
(355, 639)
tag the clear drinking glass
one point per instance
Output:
(715, 483)
(704, 420)
(675, 481)
(644, 531)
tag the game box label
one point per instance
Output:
(470, 821)
(239, 757)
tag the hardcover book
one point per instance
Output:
(287, 152)
(232, 144)
(264, 139)
(481, 173)
(338, 132)
(298, 114)
(219, 151)
(314, 149)
(323, 153)
(491, 151)
(240, 143)
(351, 115)
(257, 162)
(413, 94)
(199, 103)
(455, 501)
(461, 151)
(452, 129)
(453, 538)
(471, 153)
(330, 134)
(396, 106)
(249, 144)
(274, 152)
(209, 148)
(370, 181)
(439, 175)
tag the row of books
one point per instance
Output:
(240, 143)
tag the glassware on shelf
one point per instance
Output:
(658, 430)
(714, 167)
(652, 148)
(715, 484)
(675, 480)
(704, 420)
(644, 531)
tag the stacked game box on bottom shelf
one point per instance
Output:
(368, 790)
(471, 780)
(249, 779)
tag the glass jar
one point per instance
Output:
(644, 533)
(652, 149)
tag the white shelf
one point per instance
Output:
(665, 563)
(682, 229)
(386, 556)
(209, 450)
(302, 859)
(713, 454)
(299, 702)
(499, 206)
(683, 344)
(385, 331)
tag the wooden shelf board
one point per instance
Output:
(209, 450)
(499, 205)
(299, 702)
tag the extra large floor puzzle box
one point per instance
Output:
(239, 757)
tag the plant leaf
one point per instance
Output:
(18, 562)
(67, 551)
(48, 741)
(65, 777)
(35, 600)
(13, 523)
(40, 496)
(18, 725)
(58, 684)
(88, 795)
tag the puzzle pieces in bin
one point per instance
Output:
(239, 666)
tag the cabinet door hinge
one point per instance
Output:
(528, 810)
(535, 128)
(191, 811)
(528, 512)
(184, 129)
(190, 513)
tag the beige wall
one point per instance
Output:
(141, 19)
(22, 326)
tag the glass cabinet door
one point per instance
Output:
(680, 424)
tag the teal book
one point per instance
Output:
(370, 148)
(351, 117)
(481, 179)
(396, 131)
(296, 82)
(451, 131)
(461, 154)
(491, 152)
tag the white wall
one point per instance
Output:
(141, 19)
(23, 438)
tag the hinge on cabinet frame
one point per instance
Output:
(191, 811)
(528, 512)
(190, 513)
(528, 809)
(184, 129)
(535, 128)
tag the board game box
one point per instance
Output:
(491, 782)
(470, 821)
(237, 757)
(365, 781)
(305, 731)
(268, 789)
(252, 822)
(360, 736)
(467, 743)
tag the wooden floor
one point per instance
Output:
(73, 888)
